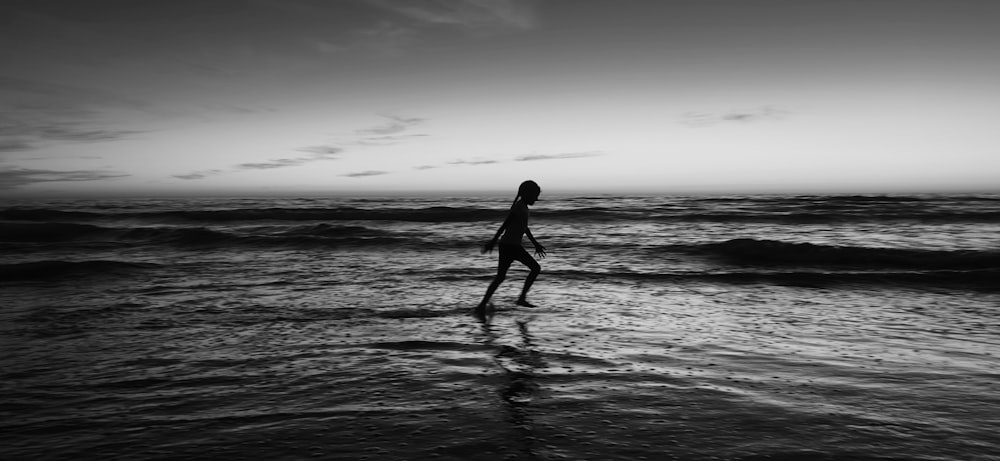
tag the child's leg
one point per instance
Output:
(535, 269)
(502, 268)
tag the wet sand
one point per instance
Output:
(698, 371)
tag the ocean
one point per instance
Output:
(742, 327)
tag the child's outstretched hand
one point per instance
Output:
(488, 246)
(539, 250)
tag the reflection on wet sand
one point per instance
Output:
(519, 387)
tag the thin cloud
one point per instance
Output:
(389, 133)
(392, 27)
(35, 112)
(16, 177)
(527, 158)
(324, 152)
(362, 174)
(198, 174)
(272, 164)
(388, 140)
(395, 125)
(568, 155)
(384, 37)
(66, 133)
(238, 110)
(67, 97)
(473, 162)
(320, 153)
(764, 113)
(30, 132)
(473, 15)
(325, 27)
(13, 144)
(426, 167)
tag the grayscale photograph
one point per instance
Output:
(692, 230)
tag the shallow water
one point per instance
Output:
(224, 349)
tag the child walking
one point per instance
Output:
(513, 229)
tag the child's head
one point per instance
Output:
(529, 191)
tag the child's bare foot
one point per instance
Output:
(524, 302)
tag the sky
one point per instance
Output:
(231, 97)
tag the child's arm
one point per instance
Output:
(488, 247)
(539, 249)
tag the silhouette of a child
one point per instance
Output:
(513, 229)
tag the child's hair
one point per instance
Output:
(527, 187)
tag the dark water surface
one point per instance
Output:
(741, 328)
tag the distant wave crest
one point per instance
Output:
(770, 252)
(48, 232)
(40, 270)
(322, 234)
(980, 279)
(777, 211)
(427, 214)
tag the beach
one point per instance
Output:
(693, 328)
